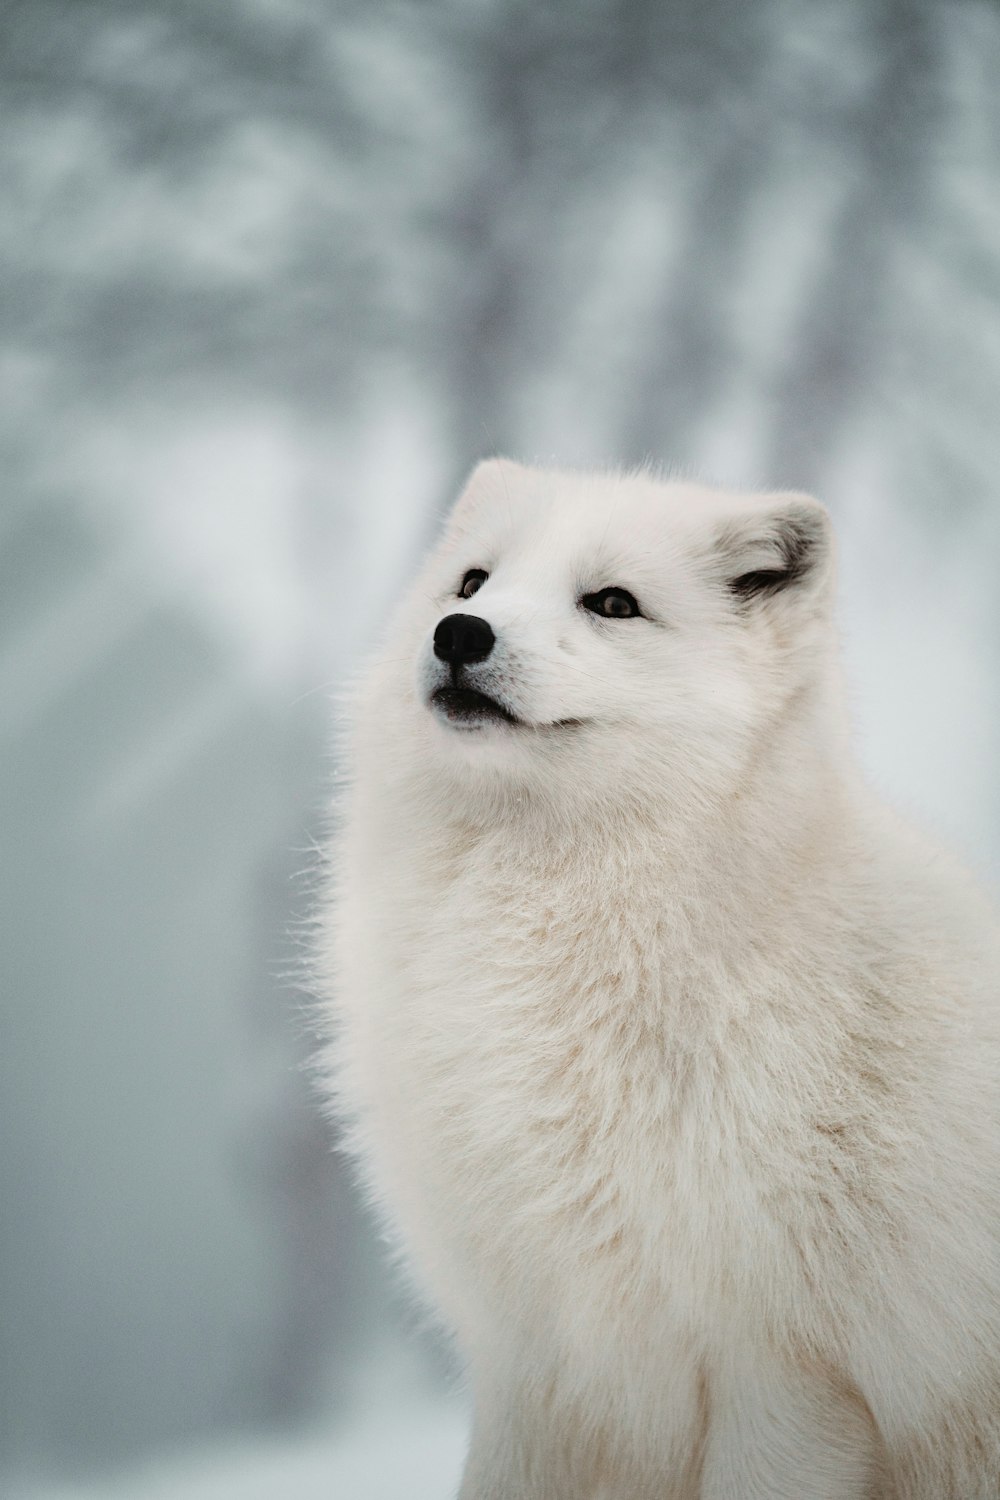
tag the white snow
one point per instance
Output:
(416, 1455)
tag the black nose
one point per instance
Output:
(463, 638)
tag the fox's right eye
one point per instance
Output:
(472, 582)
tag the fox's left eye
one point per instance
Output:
(613, 604)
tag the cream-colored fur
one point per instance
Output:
(670, 1056)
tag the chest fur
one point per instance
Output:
(584, 1086)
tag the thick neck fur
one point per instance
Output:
(723, 867)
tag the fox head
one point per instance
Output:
(593, 634)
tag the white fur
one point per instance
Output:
(671, 1057)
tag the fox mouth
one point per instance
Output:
(468, 707)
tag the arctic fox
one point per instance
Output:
(670, 1056)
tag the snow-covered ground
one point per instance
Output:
(390, 1455)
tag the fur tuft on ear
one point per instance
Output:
(781, 547)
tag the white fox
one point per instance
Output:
(670, 1056)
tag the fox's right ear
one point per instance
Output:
(488, 484)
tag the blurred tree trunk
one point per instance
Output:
(839, 349)
(728, 129)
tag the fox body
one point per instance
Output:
(670, 1056)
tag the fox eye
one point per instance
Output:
(613, 604)
(472, 582)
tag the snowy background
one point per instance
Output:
(274, 273)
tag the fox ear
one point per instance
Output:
(489, 481)
(783, 546)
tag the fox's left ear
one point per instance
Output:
(782, 545)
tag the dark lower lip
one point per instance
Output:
(467, 707)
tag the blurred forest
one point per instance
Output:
(276, 272)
